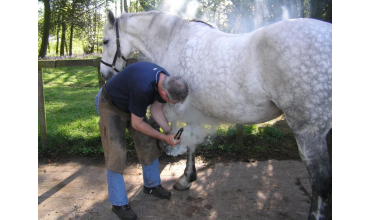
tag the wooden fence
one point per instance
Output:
(41, 98)
(42, 64)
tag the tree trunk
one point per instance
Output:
(63, 40)
(328, 12)
(58, 29)
(95, 27)
(125, 6)
(72, 26)
(45, 34)
(66, 45)
(97, 33)
(317, 8)
(70, 40)
(64, 28)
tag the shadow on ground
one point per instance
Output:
(76, 188)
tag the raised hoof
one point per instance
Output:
(182, 184)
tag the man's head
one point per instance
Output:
(176, 88)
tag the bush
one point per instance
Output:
(272, 134)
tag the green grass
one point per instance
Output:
(72, 123)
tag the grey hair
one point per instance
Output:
(176, 88)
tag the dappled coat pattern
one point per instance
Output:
(247, 78)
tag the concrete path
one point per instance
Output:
(77, 189)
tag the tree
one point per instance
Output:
(148, 4)
(317, 8)
(72, 26)
(46, 29)
(58, 29)
(68, 20)
(327, 11)
(64, 26)
(125, 5)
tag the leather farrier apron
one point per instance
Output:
(112, 124)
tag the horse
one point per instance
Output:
(283, 68)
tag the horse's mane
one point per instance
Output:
(200, 21)
(162, 17)
(166, 26)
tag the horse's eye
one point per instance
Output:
(105, 42)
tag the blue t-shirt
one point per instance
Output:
(136, 87)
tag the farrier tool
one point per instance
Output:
(168, 148)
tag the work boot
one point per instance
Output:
(124, 212)
(158, 191)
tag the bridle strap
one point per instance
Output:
(118, 52)
(110, 65)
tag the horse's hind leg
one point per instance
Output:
(315, 155)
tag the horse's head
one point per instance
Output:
(116, 48)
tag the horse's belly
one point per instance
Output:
(239, 112)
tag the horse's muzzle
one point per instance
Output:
(109, 75)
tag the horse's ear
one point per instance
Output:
(111, 17)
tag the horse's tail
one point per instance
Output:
(329, 144)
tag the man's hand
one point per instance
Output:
(139, 125)
(170, 140)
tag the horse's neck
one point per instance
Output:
(154, 38)
(163, 38)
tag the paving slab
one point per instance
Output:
(77, 189)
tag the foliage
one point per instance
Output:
(259, 141)
(83, 20)
(46, 29)
(272, 134)
(75, 20)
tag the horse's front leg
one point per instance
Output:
(190, 174)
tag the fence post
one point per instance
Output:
(239, 134)
(41, 110)
(101, 80)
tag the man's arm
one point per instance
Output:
(140, 125)
(156, 110)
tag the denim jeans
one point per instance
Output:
(97, 97)
(116, 184)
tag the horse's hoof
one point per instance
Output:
(180, 188)
(182, 184)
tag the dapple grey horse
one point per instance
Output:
(283, 68)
